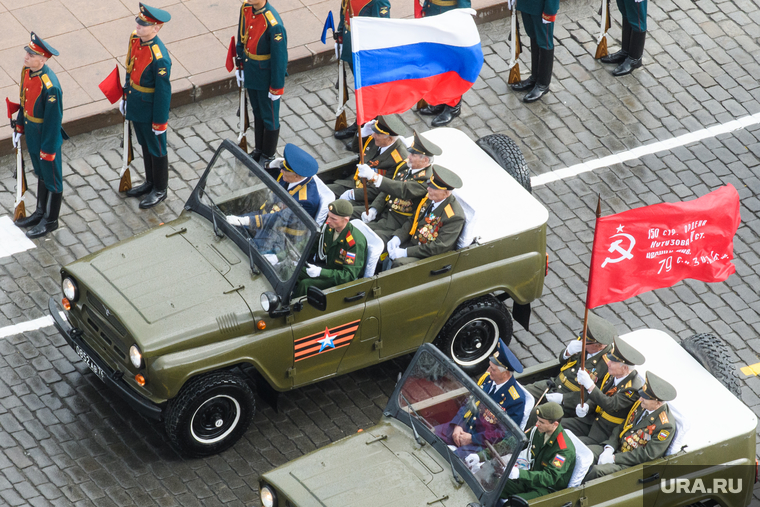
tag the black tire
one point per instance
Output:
(507, 154)
(712, 353)
(210, 414)
(472, 333)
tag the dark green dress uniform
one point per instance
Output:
(262, 54)
(534, 13)
(345, 257)
(633, 37)
(353, 8)
(435, 7)
(398, 199)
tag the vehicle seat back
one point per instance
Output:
(467, 236)
(584, 458)
(326, 196)
(682, 428)
(375, 247)
(530, 402)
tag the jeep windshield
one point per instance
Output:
(260, 216)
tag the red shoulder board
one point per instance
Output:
(350, 239)
(561, 441)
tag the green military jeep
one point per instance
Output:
(401, 461)
(186, 320)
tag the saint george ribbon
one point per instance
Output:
(657, 246)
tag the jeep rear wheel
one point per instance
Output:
(472, 333)
(507, 154)
(210, 414)
(712, 353)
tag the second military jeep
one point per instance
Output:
(187, 319)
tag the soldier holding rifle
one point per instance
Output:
(538, 18)
(629, 56)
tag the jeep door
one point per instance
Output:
(634, 486)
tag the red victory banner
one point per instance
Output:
(657, 246)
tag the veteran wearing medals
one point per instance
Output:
(610, 401)
(384, 154)
(39, 118)
(262, 61)
(341, 252)
(644, 436)
(400, 195)
(147, 97)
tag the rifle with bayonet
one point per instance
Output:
(127, 156)
(514, 64)
(341, 123)
(19, 208)
(604, 23)
(244, 122)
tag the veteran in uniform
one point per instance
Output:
(39, 118)
(644, 436)
(629, 57)
(384, 154)
(262, 61)
(610, 401)
(147, 97)
(399, 196)
(538, 19)
(341, 252)
(436, 224)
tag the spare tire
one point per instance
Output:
(507, 154)
(712, 353)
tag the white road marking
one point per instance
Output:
(12, 239)
(648, 149)
(23, 327)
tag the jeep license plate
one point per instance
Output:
(97, 370)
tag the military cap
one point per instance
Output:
(37, 46)
(340, 207)
(422, 146)
(551, 411)
(298, 161)
(151, 16)
(656, 388)
(444, 179)
(390, 125)
(625, 353)
(505, 358)
(600, 330)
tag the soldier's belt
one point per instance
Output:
(567, 383)
(141, 89)
(31, 118)
(258, 58)
(401, 213)
(612, 419)
(444, 3)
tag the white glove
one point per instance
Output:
(240, 77)
(123, 107)
(574, 347)
(367, 127)
(312, 270)
(471, 460)
(607, 457)
(347, 195)
(274, 97)
(236, 220)
(394, 243)
(422, 3)
(555, 397)
(338, 50)
(367, 218)
(271, 258)
(366, 171)
(514, 473)
(159, 132)
(16, 139)
(397, 253)
(581, 410)
(584, 379)
(510, 4)
(549, 22)
(277, 163)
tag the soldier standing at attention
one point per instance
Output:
(262, 62)
(147, 95)
(634, 14)
(538, 18)
(40, 119)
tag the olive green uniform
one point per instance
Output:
(398, 199)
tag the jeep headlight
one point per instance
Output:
(135, 356)
(268, 497)
(269, 301)
(69, 288)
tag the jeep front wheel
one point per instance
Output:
(210, 414)
(472, 333)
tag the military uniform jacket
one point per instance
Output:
(611, 403)
(148, 89)
(353, 8)
(305, 193)
(544, 8)
(387, 162)
(567, 382)
(403, 193)
(262, 45)
(41, 101)
(345, 256)
(509, 397)
(435, 7)
(553, 461)
(432, 231)
(646, 440)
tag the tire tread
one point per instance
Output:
(712, 353)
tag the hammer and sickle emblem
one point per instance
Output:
(615, 247)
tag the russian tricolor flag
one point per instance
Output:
(397, 62)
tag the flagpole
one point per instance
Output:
(356, 98)
(588, 289)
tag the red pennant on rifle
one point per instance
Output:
(230, 63)
(417, 9)
(111, 86)
(12, 107)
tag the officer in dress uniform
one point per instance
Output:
(610, 401)
(262, 61)
(39, 117)
(566, 391)
(634, 35)
(349, 9)
(644, 436)
(399, 196)
(341, 252)
(436, 224)
(538, 19)
(147, 96)
(384, 153)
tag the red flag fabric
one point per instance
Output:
(657, 246)
(417, 8)
(12, 107)
(111, 86)
(230, 63)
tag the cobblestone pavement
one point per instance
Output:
(67, 440)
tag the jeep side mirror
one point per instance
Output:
(316, 298)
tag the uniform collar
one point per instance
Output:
(260, 11)
(148, 43)
(33, 73)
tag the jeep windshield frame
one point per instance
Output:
(232, 163)
(432, 380)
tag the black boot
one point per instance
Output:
(348, 132)
(49, 222)
(633, 60)
(431, 110)
(625, 44)
(269, 151)
(448, 114)
(34, 218)
(544, 79)
(160, 183)
(258, 139)
(528, 84)
(147, 185)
